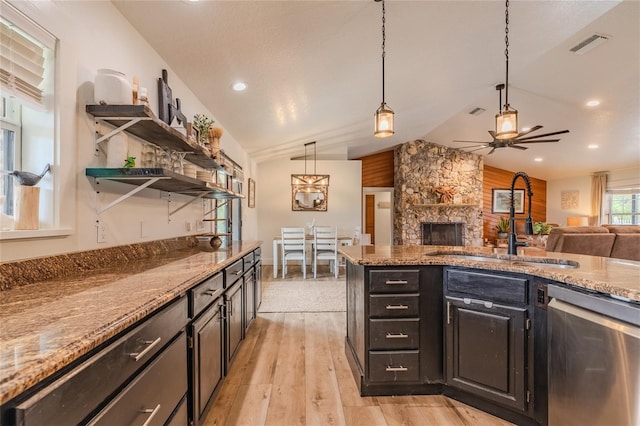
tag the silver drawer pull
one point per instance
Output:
(392, 307)
(400, 368)
(137, 356)
(392, 282)
(151, 416)
(397, 336)
(238, 272)
(209, 292)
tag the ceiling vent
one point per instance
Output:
(589, 43)
(477, 111)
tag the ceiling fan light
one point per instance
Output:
(507, 124)
(383, 122)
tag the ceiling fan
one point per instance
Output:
(514, 142)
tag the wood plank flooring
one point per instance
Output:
(292, 370)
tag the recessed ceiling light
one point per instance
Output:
(538, 159)
(239, 86)
(592, 146)
(593, 103)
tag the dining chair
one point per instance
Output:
(293, 248)
(325, 247)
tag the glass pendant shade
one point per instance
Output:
(507, 123)
(384, 122)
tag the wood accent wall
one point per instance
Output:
(377, 170)
(499, 178)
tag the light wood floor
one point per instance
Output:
(292, 370)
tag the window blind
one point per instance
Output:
(22, 60)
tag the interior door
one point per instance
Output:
(370, 216)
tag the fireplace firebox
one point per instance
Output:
(443, 233)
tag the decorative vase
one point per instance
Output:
(215, 242)
(112, 88)
(502, 235)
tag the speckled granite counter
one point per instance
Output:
(606, 275)
(46, 325)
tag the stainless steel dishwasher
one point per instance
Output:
(594, 359)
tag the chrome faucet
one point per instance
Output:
(528, 226)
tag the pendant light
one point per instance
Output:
(309, 191)
(507, 118)
(384, 115)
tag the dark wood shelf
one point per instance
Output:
(152, 129)
(167, 181)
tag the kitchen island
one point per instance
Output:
(56, 330)
(469, 323)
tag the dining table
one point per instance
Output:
(343, 240)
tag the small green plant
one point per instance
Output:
(541, 228)
(503, 225)
(129, 163)
(202, 123)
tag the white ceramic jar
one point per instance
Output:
(112, 88)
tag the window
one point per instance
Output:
(624, 208)
(27, 116)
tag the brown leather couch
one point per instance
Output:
(619, 241)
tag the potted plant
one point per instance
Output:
(541, 228)
(202, 123)
(503, 228)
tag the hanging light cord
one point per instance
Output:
(506, 54)
(384, 38)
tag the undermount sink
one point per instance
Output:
(542, 263)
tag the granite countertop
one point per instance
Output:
(617, 277)
(45, 326)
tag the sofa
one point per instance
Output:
(618, 241)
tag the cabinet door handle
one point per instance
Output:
(400, 368)
(238, 272)
(448, 312)
(468, 301)
(392, 282)
(393, 307)
(138, 355)
(397, 336)
(152, 415)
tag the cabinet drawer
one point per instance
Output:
(71, 398)
(394, 281)
(233, 272)
(248, 261)
(154, 394)
(487, 286)
(394, 367)
(205, 293)
(394, 334)
(257, 254)
(398, 305)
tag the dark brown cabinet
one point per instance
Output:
(486, 335)
(234, 321)
(249, 298)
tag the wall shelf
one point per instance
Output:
(140, 121)
(161, 179)
(444, 205)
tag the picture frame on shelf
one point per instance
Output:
(501, 198)
(251, 197)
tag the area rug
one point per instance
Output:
(303, 296)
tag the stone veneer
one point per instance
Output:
(419, 167)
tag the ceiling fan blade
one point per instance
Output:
(491, 152)
(492, 133)
(526, 132)
(484, 143)
(542, 135)
(518, 147)
(478, 149)
(538, 141)
(474, 146)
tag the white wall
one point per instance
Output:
(273, 199)
(555, 213)
(93, 35)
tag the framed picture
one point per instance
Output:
(501, 200)
(252, 193)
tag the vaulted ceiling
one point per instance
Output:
(314, 74)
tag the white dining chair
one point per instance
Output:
(325, 247)
(294, 248)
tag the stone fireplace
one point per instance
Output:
(420, 167)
